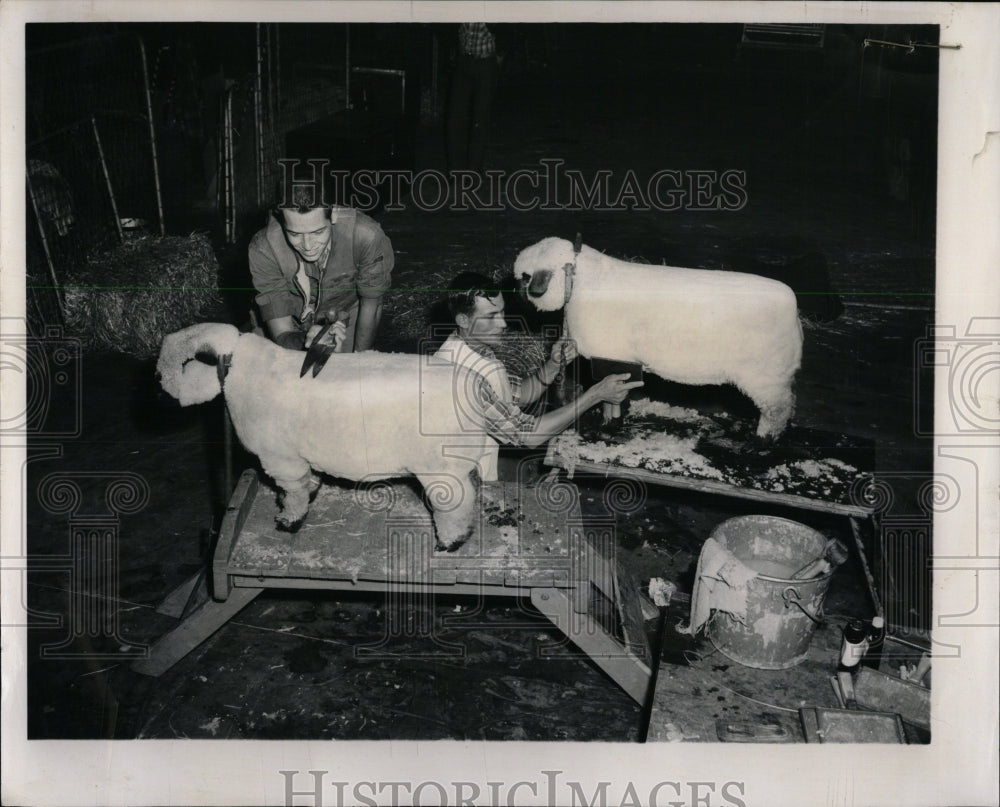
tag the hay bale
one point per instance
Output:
(522, 354)
(420, 319)
(417, 310)
(414, 305)
(127, 299)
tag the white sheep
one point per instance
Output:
(367, 416)
(693, 326)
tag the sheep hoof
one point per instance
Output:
(451, 546)
(611, 428)
(762, 444)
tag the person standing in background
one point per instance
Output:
(473, 86)
(312, 261)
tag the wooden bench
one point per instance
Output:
(861, 514)
(533, 544)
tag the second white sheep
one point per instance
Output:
(692, 326)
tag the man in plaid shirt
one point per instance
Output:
(475, 39)
(478, 309)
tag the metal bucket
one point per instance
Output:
(781, 613)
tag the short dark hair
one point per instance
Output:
(464, 290)
(303, 200)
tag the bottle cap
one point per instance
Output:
(878, 622)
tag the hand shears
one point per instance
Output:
(319, 351)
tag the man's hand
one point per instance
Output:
(335, 336)
(290, 340)
(614, 389)
(563, 351)
(284, 332)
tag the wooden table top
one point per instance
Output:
(526, 535)
(718, 454)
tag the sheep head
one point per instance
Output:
(187, 364)
(540, 272)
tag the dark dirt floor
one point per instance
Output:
(289, 665)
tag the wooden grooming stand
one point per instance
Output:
(533, 544)
(665, 689)
(860, 516)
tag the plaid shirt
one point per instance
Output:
(475, 39)
(504, 421)
(496, 392)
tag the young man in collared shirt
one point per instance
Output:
(478, 310)
(311, 261)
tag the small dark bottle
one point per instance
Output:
(876, 640)
(853, 646)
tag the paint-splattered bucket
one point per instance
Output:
(781, 613)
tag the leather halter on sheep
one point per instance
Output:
(693, 326)
(368, 416)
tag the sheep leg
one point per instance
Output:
(777, 404)
(611, 412)
(454, 501)
(296, 486)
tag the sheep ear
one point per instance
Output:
(539, 283)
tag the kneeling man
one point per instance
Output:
(478, 310)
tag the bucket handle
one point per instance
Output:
(791, 597)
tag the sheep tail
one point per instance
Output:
(182, 372)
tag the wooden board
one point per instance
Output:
(629, 602)
(718, 454)
(348, 535)
(848, 726)
(531, 542)
(885, 693)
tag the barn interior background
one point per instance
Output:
(152, 160)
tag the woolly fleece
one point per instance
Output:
(693, 326)
(367, 416)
